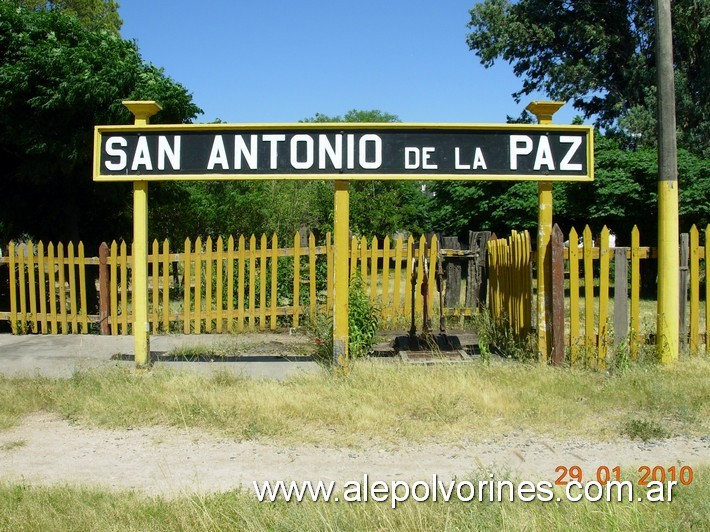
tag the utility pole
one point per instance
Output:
(668, 262)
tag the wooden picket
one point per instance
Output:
(226, 286)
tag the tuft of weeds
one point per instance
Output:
(645, 430)
(497, 337)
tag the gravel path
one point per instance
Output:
(45, 449)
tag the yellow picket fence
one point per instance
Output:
(589, 280)
(510, 282)
(214, 285)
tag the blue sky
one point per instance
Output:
(282, 61)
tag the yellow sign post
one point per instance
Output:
(543, 111)
(142, 111)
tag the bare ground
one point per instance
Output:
(46, 449)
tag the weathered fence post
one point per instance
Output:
(476, 285)
(104, 297)
(558, 296)
(453, 273)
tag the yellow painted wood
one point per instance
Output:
(296, 279)
(219, 266)
(31, 280)
(84, 319)
(588, 297)
(22, 317)
(155, 288)
(635, 293)
(241, 255)
(386, 308)
(187, 287)
(668, 304)
(262, 282)
(71, 263)
(433, 253)
(230, 284)
(396, 289)
(312, 276)
(197, 313)
(62, 290)
(373, 268)
(603, 298)
(354, 246)
(409, 269)
(693, 342)
(52, 284)
(707, 289)
(208, 284)
(165, 259)
(13, 289)
(341, 279)
(113, 264)
(274, 279)
(574, 296)
(421, 254)
(329, 285)
(363, 261)
(252, 281)
(41, 274)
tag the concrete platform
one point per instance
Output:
(261, 355)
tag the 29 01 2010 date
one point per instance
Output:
(604, 474)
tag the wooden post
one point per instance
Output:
(104, 296)
(621, 297)
(142, 111)
(453, 274)
(684, 278)
(341, 283)
(477, 274)
(558, 296)
(544, 111)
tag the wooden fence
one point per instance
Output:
(214, 286)
(583, 282)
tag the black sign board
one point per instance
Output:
(344, 151)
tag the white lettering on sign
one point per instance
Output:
(544, 155)
(412, 158)
(274, 153)
(426, 155)
(575, 142)
(113, 151)
(478, 160)
(172, 153)
(519, 145)
(240, 150)
(142, 155)
(334, 153)
(218, 155)
(307, 141)
(377, 150)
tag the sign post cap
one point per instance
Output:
(142, 109)
(544, 109)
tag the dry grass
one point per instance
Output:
(388, 403)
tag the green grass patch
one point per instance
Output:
(381, 402)
(23, 507)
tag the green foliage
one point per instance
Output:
(601, 55)
(645, 430)
(363, 321)
(496, 337)
(57, 80)
(93, 14)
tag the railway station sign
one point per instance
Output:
(343, 151)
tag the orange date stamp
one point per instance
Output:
(605, 474)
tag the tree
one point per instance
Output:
(601, 55)
(57, 80)
(93, 14)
